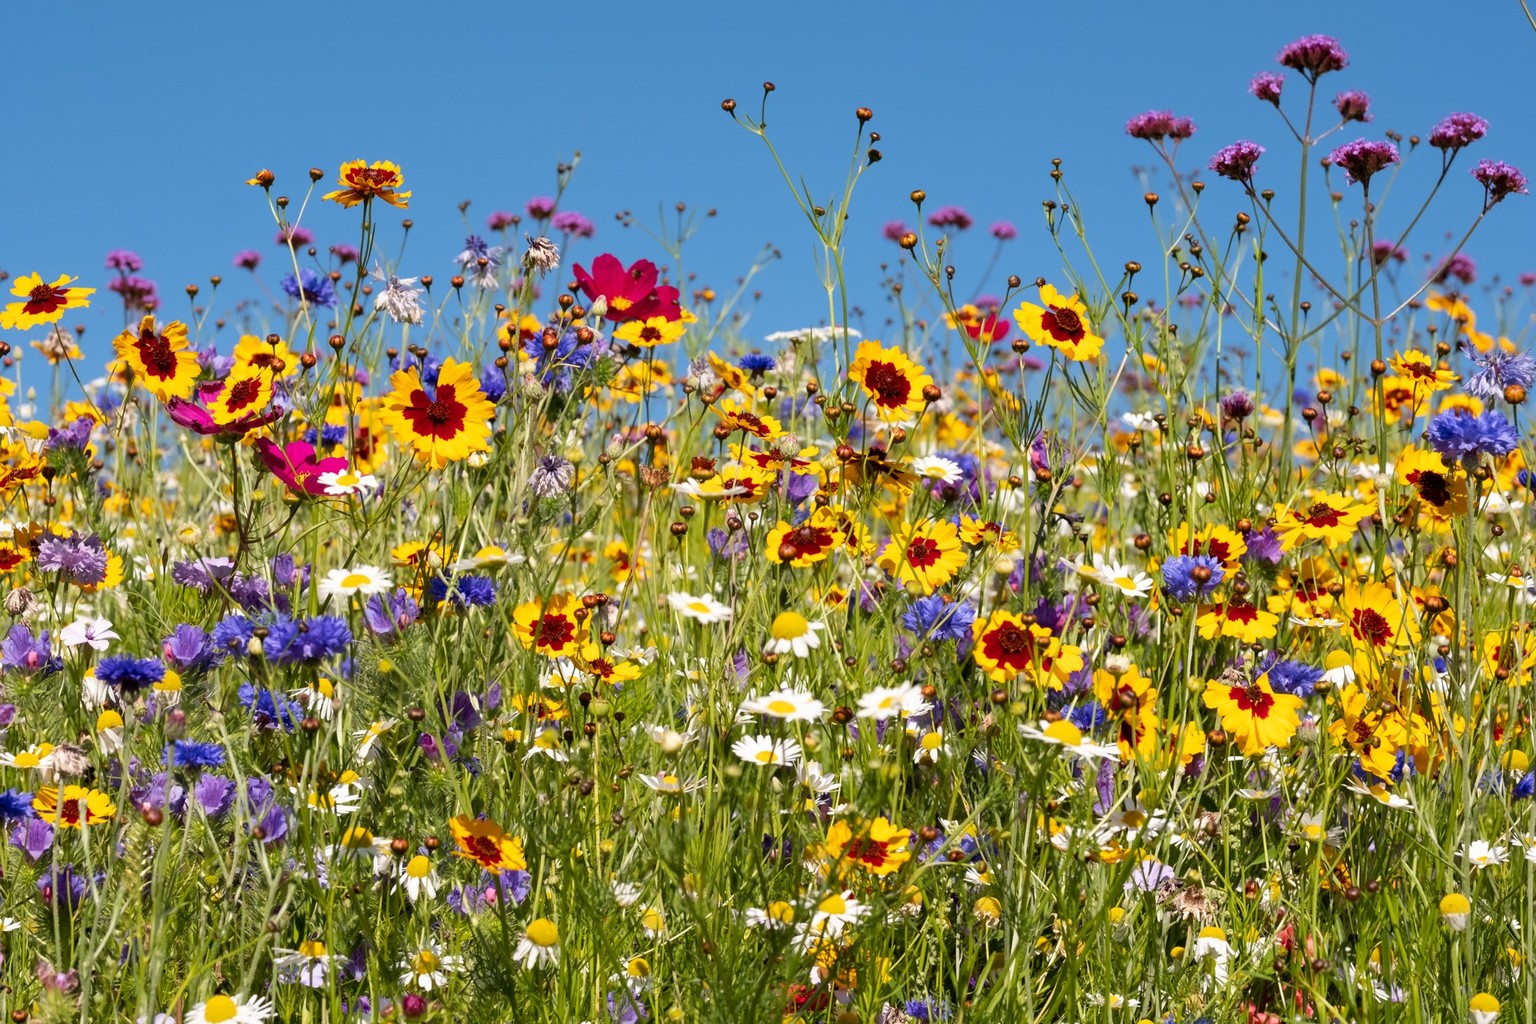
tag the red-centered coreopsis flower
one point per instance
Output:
(1255, 715)
(194, 415)
(445, 425)
(245, 394)
(631, 293)
(361, 181)
(485, 843)
(1060, 322)
(295, 464)
(159, 358)
(893, 383)
(41, 302)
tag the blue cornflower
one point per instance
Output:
(129, 673)
(494, 383)
(1497, 371)
(1525, 787)
(1179, 576)
(1296, 678)
(307, 642)
(327, 436)
(188, 648)
(193, 754)
(934, 618)
(758, 364)
(269, 711)
(1461, 437)
(27, 653)
(16, 805)
(232, 637)
(554, 366)
(468, 591)
(313, 286)
(391, 615)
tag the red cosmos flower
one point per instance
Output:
(194, 415)
(632, 294)
(295, 465)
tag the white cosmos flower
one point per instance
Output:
(364, 579)
(790, 705)
(766, 750)
(703, 608)
(95, 632)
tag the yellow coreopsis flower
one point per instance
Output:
(41, 302)
(361, 181)
(1059, 322)
(1254, 715)
(446, 426)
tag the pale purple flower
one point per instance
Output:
(1314, 55)
(1266, 86)
(1457, 131)
(1363, 158)
(1236, 161)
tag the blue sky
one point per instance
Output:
(138, 124)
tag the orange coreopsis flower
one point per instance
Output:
(445, 426)
(925, 555)
(1059, 322)
(160, 359)
(484, 842)
(361, 181)
(892, 381)
(1255, 715)
(41, 302)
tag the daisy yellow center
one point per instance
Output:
(418, 867)
(1064, 732)
(789, 626)
(542, 932)
(357, 838)
(937, 472)
(781, 911)
(348, 479)
(425, 962)
(354, 579)
(833, 905)
(312, 947)
(932, 741)
(698, 606)
(220, 1009)
(764, 756)
(781, 707)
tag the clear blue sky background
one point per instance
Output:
(135, 125)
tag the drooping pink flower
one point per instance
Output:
(194, 414)
(296, 466)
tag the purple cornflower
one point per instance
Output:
(1353, 105)
(1263, 546)
(1003, 231)
(569, 222)
(306, 642)
(934, 618)
(1266, 86)
(33, 837)
(552, 476)
(393, 615)
(1238, 405)
(1496, 371)
(1498, 179)
(1314, 56)
(1457, 131)
(313, 286)
(214, 794)
(77, 435)
(187, 648)
(1236, 161)
(1363, 158)
(82, 558)
(22, 651)
(125, 261)
(540, 207)
(247, 259)
(950, 217)
(1156, 125)
(1180, 572)
(1459, 436)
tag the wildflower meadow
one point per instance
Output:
(525, 634)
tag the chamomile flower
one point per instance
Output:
(703, 608)
(308, 965)
(417, 877)
(774, 917)
(1064, 734)
(930, 744)
(793, 633)
(231, 1010)
(938, 469)
(835, 911)
(889, 701)
(427, 968)
(348, 482)
(365, 579)
(1480, 853)
(789, 705)
(766, 750)
(540, 944)
(368, 739)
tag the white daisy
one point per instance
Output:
(766, 750)
(790, 705)
(365, 579)
(930, 744)
(348, 482)
(231, 1010)
(308, 965)
(368, 739)
(1064, 734)
(1482, 854)
(540, 944)
(665, 782)
(428, 968)
(774, 917)
(835, 911)
(703, 608)
(889, 701)
(938, 469)
(793, 633)
(417, 877)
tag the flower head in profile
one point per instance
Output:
(363, 182)
(1499, 179)
(296, 466)
(1266, 87)
(159, 358)
(1353, 105)
(1363, 158)
(1236, 161)
(399, 299)
(1313, 56)
(1457, 132)
(445, 424)
(41, 302)
(1157, 125)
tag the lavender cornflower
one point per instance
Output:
(1459, 435)
(247, 259)
(1236, 161)
(1353, 105)
(1457, 131)
(1238, 405)
(124, 261)
(307, 642)
(475, 250)
(1498, 179)
(1003, 231)
(188, 648)
(214, 794)
(569, 222)
(1363, 158)
(82, 558)
(345, 253)
(1266, 86)
(28, 654)
(1499, 370)
(552, 476)
(392, 616)
(1188, 577)
(1156, 125)
(312, 286)
(1314, 56)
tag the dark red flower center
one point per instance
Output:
(553, 631)
(923, 552)
(156, 354)
(1433, 487)
(1062, 323)
(442, 417)
(1322, 514)
(1242, 611)
(45, 298)
(868, 851)
(1253, 698)
(650, 334)
(808, 540)
(370, 179)
(483, 849)
(1371, 626)
(244, 393)
(890, 385)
